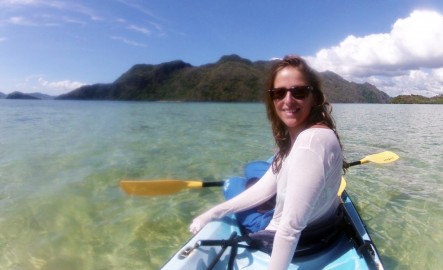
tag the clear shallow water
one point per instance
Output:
(60, 163)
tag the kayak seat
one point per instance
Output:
(252, 220)
(312, 240)
(256, 219)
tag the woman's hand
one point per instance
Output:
(199, 222)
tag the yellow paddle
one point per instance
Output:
(163, 186)
(383, 157)
(342, 187)
(171, 186)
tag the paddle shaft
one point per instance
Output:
(170, 186)
(354, 163)
(213, 184)
(221, 183)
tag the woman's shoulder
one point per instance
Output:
(319, 126)
(317, 130)
(317, 138)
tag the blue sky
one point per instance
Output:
(54, 46)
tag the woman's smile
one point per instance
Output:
(291, 111)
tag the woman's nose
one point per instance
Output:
(288, 97)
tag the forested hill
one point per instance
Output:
(231, 79)
(417, 99)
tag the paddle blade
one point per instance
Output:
(383, 157)
(342, 186)
(157, 187)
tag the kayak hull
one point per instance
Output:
(350, 251)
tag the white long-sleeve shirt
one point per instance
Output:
(306, 188)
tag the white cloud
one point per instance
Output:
(18, 2)
(422, 82)
(407, 60)
(2, 39)
(17, 20)
(64, 6)
(140, 8)
(37, 83)
(59, 86)
(139, 29)
(128, 41)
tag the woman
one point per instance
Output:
(307, 168)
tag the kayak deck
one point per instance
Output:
(344, 253)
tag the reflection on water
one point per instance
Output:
(60, 162)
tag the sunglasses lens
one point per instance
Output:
(278, 93)
(297, 92)
(300, 92)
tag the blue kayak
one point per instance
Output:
(216, 246)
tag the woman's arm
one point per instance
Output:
(257, 194)
(305, 180)
(309, 181)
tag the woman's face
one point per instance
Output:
(293, 112)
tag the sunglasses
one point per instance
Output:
(297, 92)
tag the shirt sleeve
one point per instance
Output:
(305, 179)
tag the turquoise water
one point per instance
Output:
(60, 163)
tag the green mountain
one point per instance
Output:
(20, 95)
(417, 99)
(41, 95)
(231, 79)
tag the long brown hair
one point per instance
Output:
(321, 113)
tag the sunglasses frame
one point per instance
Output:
(297, 92)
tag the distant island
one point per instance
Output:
(230, 79)
(417, 99)
(20, 95)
